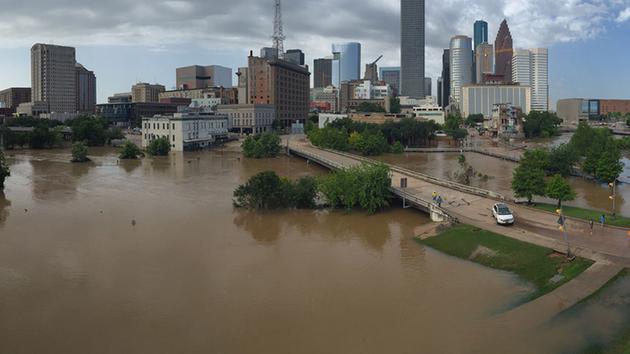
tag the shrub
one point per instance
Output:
(159, 147)
(365, 186)
(4, 170)
(79, 152)
(130, 151)
(267, 190)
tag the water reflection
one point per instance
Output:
(130, 165)
(4, 208)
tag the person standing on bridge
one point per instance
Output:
(439, 201)
(434, 196)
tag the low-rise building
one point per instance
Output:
(146, 93)
(249, 118)
(13, 97)
(32, 109)
(127, 114)
(324, 99)
(376, 118)
(575, 110)
(228, 95)
(430, 110)
(185, 131)
(480, 99)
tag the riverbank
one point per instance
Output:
(586, 214)
(542, 267)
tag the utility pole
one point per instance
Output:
(562, 221)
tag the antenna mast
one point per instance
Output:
(278, 33)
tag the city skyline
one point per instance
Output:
(159, 49)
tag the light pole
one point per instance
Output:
(562, 221)
(613, 195)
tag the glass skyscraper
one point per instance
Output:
(481, 33)
(412, 43)
(461, 59)
(346, 65)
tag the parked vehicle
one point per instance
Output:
(502, 214)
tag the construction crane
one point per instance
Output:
(377, 60)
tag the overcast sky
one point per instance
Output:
(125, 41)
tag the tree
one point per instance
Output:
(394, 106)
(263, 145)
(114, 133)
(42, 137)
(370, 107)
(365, 186)
(559, 189)
(535, 159)
(562, 160)
(159, 147)
(5, 171)
(304, 193)
(130, 151)
(368, 143)
(262, 191)
(473, 119)
(608, 168)
(88, 129)
(79, 152)
(329, 137)
(528, 182)
(541, 124)
(452, 127)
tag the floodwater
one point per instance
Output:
(590, 194)
(150, 257)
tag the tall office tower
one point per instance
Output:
(440, 91)
(522, 67)
(446, 77)
(484, 61)
(412, 43)
(428, 89)
(295, 56)
(540, 79)
(86, 90)
(53, 77)
(481, 33)
(322, 72)
(461, 55)
(346, 65)
(503, 52)
(391, 75)
(199, 77)
(144, 92)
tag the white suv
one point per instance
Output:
(502, 214)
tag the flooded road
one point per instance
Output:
(150, 257)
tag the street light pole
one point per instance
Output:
(613, 185)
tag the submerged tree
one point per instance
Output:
(4, 170)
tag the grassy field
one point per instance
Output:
(586, 214)
(534, 264)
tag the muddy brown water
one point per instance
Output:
(150, 257)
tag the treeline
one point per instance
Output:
(365, 187)
(48, 134)
(373, 139)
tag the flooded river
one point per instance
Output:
(151, 257)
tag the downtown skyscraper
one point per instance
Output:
(530, 67)
(53, 77)
(504, 51)
(412, 41)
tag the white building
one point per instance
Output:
(430, 110)
(369, 91)
(185, 131)
(206, 104)
(530, 67)
(249, 118)
(481, 99)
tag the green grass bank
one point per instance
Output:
(535, 264)
(586, 214)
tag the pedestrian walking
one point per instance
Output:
(439, 201)
(602, 220)
(591, 225)
(434, 196)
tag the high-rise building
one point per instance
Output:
(504, 51)
(144, 92)
(198, 77)
(481, 33)
(522, 67)
(279, 83)
(346, 65)
(412, 41)
(446, 78)
(322, 72)
(295, 56)
(11, 98)
(53, 77)
(371, 72)
(391, 75)
(531, 68)
(540, 79)
(86, 90)
(461, 55)
(484, 61)
(428, 88)
(440, 91)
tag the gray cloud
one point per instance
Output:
(240, 25)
